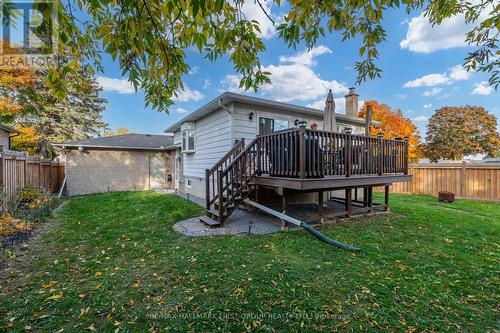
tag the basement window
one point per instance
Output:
(188, 141)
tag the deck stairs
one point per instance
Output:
(228, 183)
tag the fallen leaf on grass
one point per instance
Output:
(55, 297)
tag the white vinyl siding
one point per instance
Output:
(4, 139)
(177, 138)
(212, 135)
(244, 128)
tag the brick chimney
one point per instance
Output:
(351, 104)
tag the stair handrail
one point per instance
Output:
(209, 173)
(243, 178)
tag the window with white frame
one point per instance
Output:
(187, 141)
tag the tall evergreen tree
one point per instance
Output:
(45, 119)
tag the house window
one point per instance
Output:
(280, 125)
(188, 141)
(268, 125)
(188, 184)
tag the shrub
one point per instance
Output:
(29, 194)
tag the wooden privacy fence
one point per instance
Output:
(18, 170)
(467, 180)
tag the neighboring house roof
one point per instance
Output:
(229, 97)
(123, 142)
(7, 129)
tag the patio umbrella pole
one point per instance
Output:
(304, 225)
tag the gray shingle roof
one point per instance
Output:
(7, 128)
(125, 141)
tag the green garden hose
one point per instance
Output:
(328, 240)
(304, 225)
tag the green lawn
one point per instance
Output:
(113, 261)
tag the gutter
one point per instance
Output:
(112, 147)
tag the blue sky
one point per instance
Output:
(421, 72)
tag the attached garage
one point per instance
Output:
(119, 163)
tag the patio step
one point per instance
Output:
(209, 221)
(215, 212)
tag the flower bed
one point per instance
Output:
(19, 222)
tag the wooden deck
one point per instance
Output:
(328, 182)
(306, 160)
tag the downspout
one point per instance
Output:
(225, 108)
(11, 136)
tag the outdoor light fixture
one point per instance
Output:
(250, 116)
(296, 122)
(348, 130)
(302, 124)
(380, 135)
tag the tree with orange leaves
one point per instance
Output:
(11, 81)
(394, 125)
(42, 119)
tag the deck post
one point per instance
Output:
(207, 189)
(380, 136)
(221, 195)
(258, 158)
(405, 163)
(348, 202)
(302, 152)
(348, 152)
(320, 204)
(386, 197)
(283, 208)
(370, 199)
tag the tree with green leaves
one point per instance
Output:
(119, 131)
(45, 119)
(457, 131)
(148, 38)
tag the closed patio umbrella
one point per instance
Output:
(329, 122)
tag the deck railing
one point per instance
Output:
(307, 153)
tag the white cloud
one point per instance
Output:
(421, 118)
(121, 86)
(231, 83)
(482, 88)
(422, 37)
(339, 105)
(456, 73)
(207, 83)
(427, 106)
(181, 110)
(293, 79)
(427, 81)
(298, 82)
(306, 57)
(432, 92)
(187, 95)
(252, 11)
